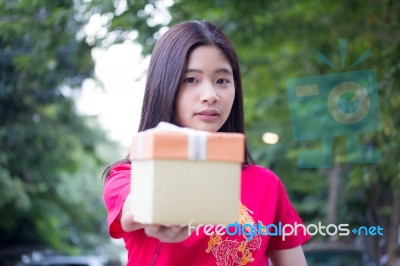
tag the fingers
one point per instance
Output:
(127, 221)
(168, 234)
(152, 230)
(176, 228)
(174, 232)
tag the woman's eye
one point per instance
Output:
(189, 80)
(222, 81)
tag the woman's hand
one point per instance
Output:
(168, 234)
(128, 224)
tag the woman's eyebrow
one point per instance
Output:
(189, 70)
(223, 70)
(219, 70)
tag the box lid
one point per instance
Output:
(168, 141)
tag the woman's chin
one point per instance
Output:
(206, 127)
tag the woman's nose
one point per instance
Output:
(209, 94)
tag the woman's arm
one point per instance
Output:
(288, 257)
(169, 234)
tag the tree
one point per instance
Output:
(49, 158)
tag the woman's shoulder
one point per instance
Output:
(259, 170)
(260, 173)
(119, 168)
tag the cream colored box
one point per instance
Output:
(177, 192)
(181, 176)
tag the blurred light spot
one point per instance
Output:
(270, 138)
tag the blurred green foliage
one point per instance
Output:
(50, 156)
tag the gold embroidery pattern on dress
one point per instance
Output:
(232, 252)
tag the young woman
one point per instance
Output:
(194, 81)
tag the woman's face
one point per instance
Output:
(206, 92)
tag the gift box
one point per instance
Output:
(182, 175)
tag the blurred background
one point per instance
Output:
(71, 84)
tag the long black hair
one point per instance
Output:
(167, 65)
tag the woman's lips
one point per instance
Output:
(208, 115)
